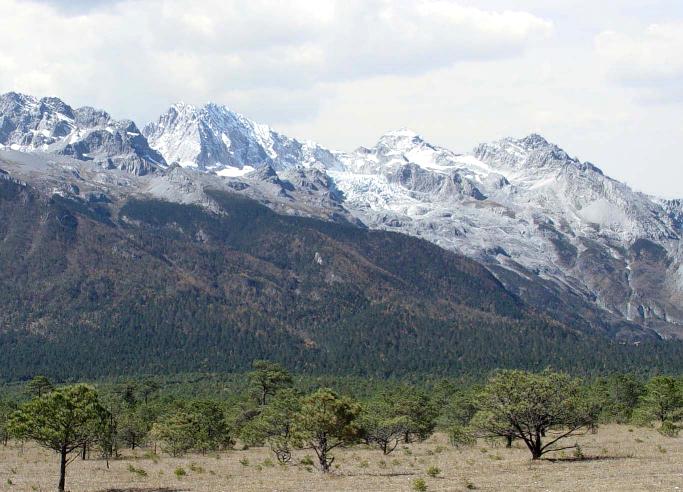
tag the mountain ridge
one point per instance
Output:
(555, 230)
(50, 125)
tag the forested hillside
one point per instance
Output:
(90, 288)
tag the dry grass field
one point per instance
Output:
(619, 458)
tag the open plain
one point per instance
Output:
(616, 458)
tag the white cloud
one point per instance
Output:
(408, 37)
(651, 59)
(156, 51)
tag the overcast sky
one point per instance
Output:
(602, 79)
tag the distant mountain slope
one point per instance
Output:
(555, 230)
(91, 288)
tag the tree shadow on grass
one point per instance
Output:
(388, 474)
(571, 459)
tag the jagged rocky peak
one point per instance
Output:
(208, 137)
(14, 102)
(119, 145)
(534, 141)
(31, 123)
(264, 173)
(404, 141)
(50, 125)
(214, 138)
(530, 152)
(437, 186)
(395, 149)
(312, 179)
(56, 105)
(89, 117)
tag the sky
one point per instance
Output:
(602, 79)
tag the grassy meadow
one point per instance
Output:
(617, 457)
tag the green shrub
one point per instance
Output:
(151, 455)
(306, 460)
(668, 429)
(180, 472)
(138, 471)
(419, 485)
(433, 471)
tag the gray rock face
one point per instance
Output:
(50, 125)
(267, 174)
(31, 123)
(674, 209)
(421, 181)
(119, 146)
(312, 180)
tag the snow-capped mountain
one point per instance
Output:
(52, 126)
(213, 138)
(554, 230)
(528, 210)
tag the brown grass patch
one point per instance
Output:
(616, 459)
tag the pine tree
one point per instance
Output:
(64, 420)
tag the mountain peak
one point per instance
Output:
(181, 106)
(532, 152)
(51, 125)
(222, 108)
(534, 141)
(214, 138)
(15, 101)
(17, 96)
(401, 140)
(207, 108)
